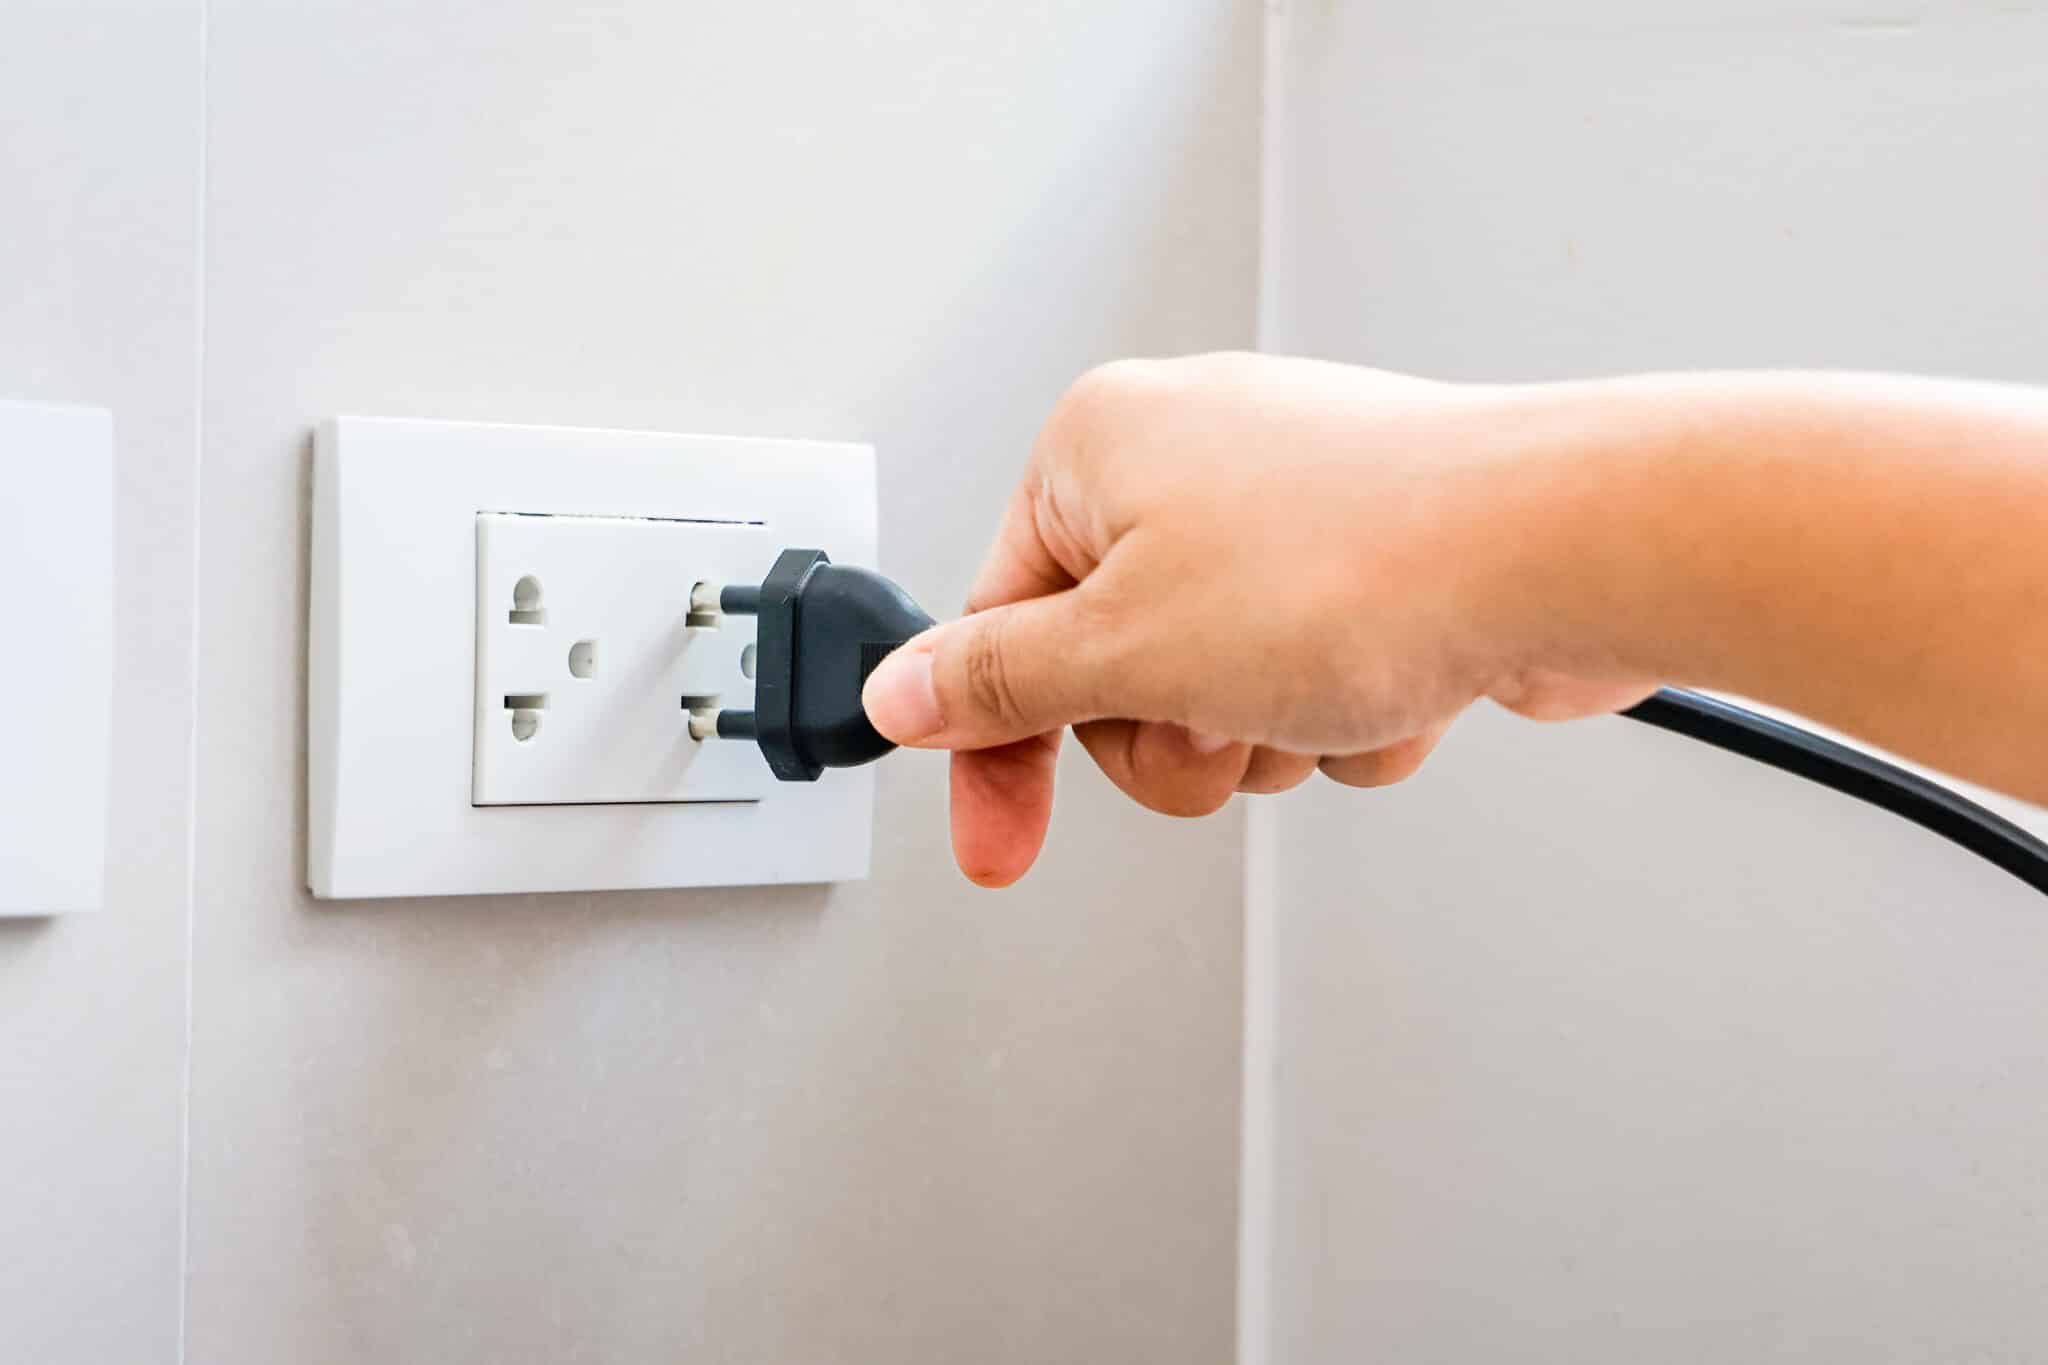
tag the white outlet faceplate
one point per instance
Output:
(588, 666)
(57, 679)
(422, 780)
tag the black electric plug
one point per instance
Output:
(822, 628)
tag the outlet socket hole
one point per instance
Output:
(526, 603)
(707, 701)
(583, 659)
(525, 708)
(700, 620)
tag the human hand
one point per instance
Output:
(1225, 572)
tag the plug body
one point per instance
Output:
(821, 628)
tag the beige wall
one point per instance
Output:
(899, 1120)
(1590, 1045)
(99, 304)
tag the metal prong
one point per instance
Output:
(704, 599)
(704, 724)
(739, 599)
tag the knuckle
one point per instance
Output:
(1380, 768)
(1353, 770)
(1101, 396)
(1182, 797)
(1222, 367)
(1167, 780)
(1103, 666)
(1099, 622)
(986, 676)
(1200, 801)
(1270, 772)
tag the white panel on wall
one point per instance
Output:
(1696, 1063)
(424, 779)
(57, 672)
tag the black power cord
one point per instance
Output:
(823, 627)
(1852, 772)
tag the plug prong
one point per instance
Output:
(709, 601)
(713, 722)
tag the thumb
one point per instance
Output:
(992, 678)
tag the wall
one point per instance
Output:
(900, 1120)
(1594, 1046)
(99, 239)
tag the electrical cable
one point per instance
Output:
(1851, 772)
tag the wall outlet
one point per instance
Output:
(500, 648)
(589, 662)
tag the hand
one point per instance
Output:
(1226, 572)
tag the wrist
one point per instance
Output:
(1584, 535)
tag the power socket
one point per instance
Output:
(589, 661)
(418, 782)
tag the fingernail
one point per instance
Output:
(1202, 742)
(901, 699)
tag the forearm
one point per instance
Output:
(1865, 550)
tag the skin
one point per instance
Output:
(1226, 572)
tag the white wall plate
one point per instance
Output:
(418, 783)
(57, 668)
